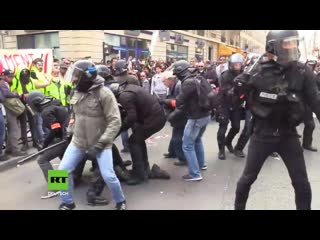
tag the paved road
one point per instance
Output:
(21, 188)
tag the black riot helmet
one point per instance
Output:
(36, 100)
(120, 67)
(180, 69)
(284, 44)
(83, 72)
(104, 72)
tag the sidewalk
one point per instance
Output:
(13, 161)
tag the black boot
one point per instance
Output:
(133, 180)
(122, 174)
(169, 155)
(221, 154)
(310, 148)
(158, 173)
(239, 153)
(94, 199)
(230, 147)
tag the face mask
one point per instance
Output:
(84, 86)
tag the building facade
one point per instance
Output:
(254, 41)
(100, 44)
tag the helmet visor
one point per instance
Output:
(74, 75)
(290, 49)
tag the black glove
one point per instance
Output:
(96, 149)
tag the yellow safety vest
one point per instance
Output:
(40, 77)
(57, 90)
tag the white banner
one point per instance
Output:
(11, 58)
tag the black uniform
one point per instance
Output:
(227, 110)
(178, 121)
(55, 118)
(277, 96)
(145, 117)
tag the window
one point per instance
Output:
(132, 42)
(142, 43)
(112, 40)
(43, 40)
(201, 32)
(25, 41)
(177, 52)
(123, 41)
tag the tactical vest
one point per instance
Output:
(278, 94)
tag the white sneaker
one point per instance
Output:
(50, 194)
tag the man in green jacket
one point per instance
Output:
(95, 122)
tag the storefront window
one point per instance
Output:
(112, 40)
(131, 42)
(142, 43)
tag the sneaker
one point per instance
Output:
(47, 195)
(65, 206)
(204, 167)
(190, 178)
(121, 206)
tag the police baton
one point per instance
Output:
(248, 72)
(42, 151)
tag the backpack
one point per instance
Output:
(206, 95)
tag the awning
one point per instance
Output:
(225, 50)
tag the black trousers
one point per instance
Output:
(46, 157)
(23, 123)
(235, 118)
(138, 148)
(291, 152)
(309, 126)
(246, 132)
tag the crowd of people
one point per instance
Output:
(90, 105)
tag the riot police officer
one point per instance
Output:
(145, 117)
(228, 109)
(278, 89)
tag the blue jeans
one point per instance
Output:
(176, 143)
(192, 144)
(2, 130)
(125, 139)
(71, 159)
